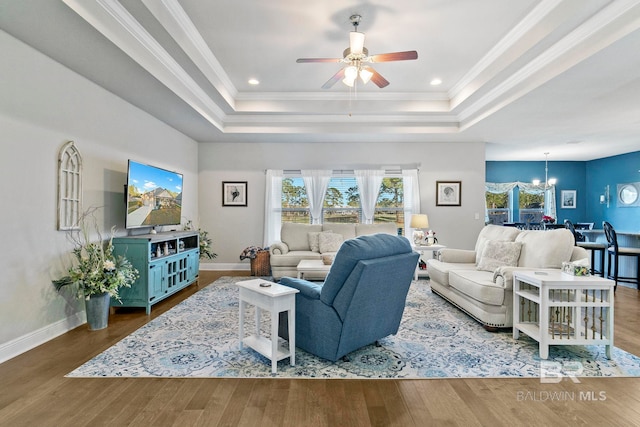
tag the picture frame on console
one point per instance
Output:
(448, 193)
(234, 193)
(568, 199)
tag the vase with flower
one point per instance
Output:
(97, 273)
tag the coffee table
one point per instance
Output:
(556, 308)
(313, 267)
(275, 298)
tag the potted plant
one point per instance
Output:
(97, 273)
(205, 241)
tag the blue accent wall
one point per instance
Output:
(612, 171)
(589, 179)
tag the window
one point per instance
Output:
(342, 201)
(531, 206)
(498, 207)
(518, 202)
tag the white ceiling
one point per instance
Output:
(526, 77)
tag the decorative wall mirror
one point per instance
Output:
(629, 194)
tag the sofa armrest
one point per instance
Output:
(278, 248)
(308, 289)
(503, 276)
(580, 253)
(457, 255)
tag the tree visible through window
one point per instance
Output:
(342, 201)
(498, 207)
(531, 207)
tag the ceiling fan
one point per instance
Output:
(356, 57)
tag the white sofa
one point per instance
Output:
(480, 281)
(307, 241)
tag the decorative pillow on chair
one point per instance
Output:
(329, 242)
(497, 254)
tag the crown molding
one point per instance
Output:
(178, 24)
(111, 19)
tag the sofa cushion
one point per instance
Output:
(348, 231)
(387, 228)
(292, 258)
(477, 285)
(494, 232)
(496, 254)
(439, 271)
(295, 235)
(330, 242)
(545, 248)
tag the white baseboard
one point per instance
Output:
(218, 266)
(22, 344)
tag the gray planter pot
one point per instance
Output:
(97, 307)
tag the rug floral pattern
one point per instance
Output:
(199, 338)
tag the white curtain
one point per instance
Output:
(369, 182)
(411, 186)
(316, 183)
(273, 207)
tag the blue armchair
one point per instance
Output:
(361, 300)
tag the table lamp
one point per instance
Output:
(419, 222)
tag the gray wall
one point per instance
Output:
(234, 228)
(43, 105)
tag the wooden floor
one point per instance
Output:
(34, 391)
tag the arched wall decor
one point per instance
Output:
(69, 187)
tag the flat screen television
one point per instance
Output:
(154, 196)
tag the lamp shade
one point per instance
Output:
(419, 221)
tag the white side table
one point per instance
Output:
(422, 250)
(556, 308)
(274, 298)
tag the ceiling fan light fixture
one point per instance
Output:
(365, 75)
(349, 81)
(351, 72)
(356, 42)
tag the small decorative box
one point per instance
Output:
(575, 269)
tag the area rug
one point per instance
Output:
(199, 338)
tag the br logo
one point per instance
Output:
(554, 372)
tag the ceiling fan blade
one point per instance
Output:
(378, 79)
(333, 80)
(395, 56)
(303, 60)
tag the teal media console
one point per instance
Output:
(167, 262)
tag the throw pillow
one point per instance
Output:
(330, 242)
(497, 254)
(314, 240)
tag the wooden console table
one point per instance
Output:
(556, 308)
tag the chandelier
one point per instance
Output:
(548, 182)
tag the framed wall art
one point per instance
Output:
(568, 199)
(234, 193)
(448, 193)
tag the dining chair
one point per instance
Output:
(593, 247)
(616, 251)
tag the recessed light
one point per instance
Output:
(436, 82)
(254, 81)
